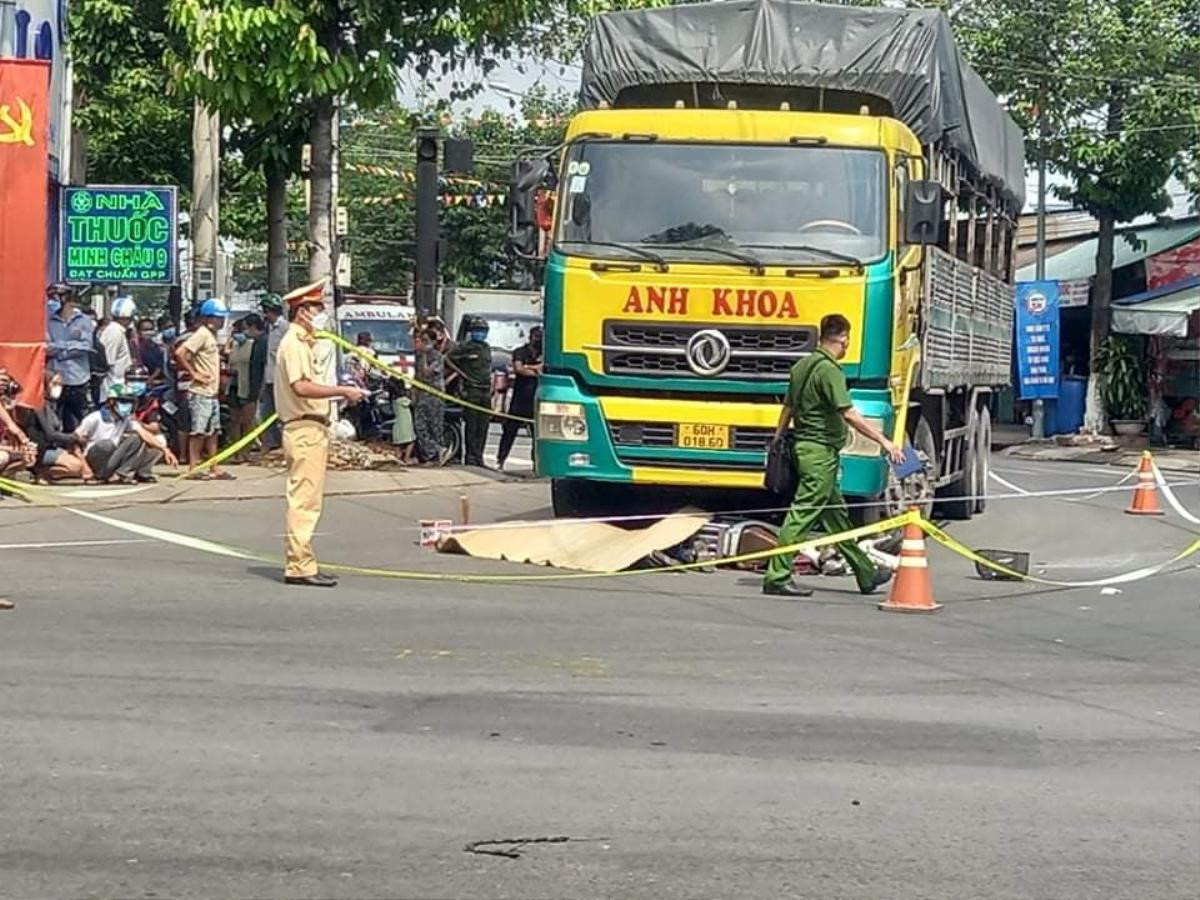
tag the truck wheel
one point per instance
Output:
(983, 459)
(957, 501)
(917, 489)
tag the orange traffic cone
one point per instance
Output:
(1145, 495)
(912, 591)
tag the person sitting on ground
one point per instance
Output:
(17, 451)
(119, 447)
(59, 452)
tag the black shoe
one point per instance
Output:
(881, 577)
(318, 580)
(787, 589)
(147, 479)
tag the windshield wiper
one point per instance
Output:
(749, 259)
(809, 248)
(659, 262)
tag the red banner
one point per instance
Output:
(1174, 265)
(24, 183)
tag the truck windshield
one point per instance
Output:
(389, 336)
(784, 204)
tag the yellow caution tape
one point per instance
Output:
(214, 547)
(378, 363)
(963, 550)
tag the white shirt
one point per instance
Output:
(116, 347)
(274, 335)
(101, 425)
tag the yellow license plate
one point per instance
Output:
(703, 437)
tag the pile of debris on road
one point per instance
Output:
(343, 455)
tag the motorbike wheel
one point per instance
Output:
(452, 440)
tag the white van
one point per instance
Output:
(387, 321)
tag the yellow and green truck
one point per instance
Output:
(738, 171)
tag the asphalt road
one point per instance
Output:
(179, 724)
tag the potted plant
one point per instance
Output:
(1125, 386)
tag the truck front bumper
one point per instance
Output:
(633, 440)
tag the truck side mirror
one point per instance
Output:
(528, 175)
(923, 209)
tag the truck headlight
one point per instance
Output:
(561, 422)
(862, 446)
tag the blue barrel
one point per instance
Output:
(1072, 395)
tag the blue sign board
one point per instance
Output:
(1037, 339)
(120, 234)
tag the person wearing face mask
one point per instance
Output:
(200, 358)
(527, 366)
(303, 404)
(472, 360)
(114, 337)
(116, 445)
(68, 352)
(818, 404)
(59, 452)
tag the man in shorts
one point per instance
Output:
(200, 358)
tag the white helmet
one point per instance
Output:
(124, 308)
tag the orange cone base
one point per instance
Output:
(1143, 512)
(888, 606)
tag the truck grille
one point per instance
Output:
(756, 353)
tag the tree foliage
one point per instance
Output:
(137, 132)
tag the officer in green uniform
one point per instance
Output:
(472, 361)
(818, 402)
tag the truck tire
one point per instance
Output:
(983, 459)
(957, 501)
(916, 490)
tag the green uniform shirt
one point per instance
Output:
(474, 360)
(817, 410)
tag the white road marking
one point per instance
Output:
(54, 545)
(1008, 484)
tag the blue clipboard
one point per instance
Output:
(910, 465)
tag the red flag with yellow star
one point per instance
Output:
(24, 182)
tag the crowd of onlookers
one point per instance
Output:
(124, 393)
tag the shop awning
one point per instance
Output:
(1080, 260)
(1161, 311)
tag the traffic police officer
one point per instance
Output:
(303, 405)
(472, 360)
(818, 402)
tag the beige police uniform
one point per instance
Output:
(305, 447)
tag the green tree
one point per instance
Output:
(274, 62)
(1113, 85)
(134, 131)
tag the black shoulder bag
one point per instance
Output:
(781, 477)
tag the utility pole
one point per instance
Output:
(206, 186)
(1039, 405)
(426, 274)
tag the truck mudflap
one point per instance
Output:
(647, 451)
